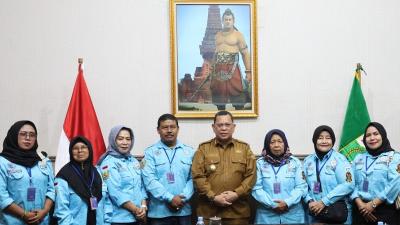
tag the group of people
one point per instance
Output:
(223, 173)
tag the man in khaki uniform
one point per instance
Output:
(224, 172)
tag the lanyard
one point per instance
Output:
(29, 170)
(323, 164)
(172, 159)
(366, 163)
(84, 181)
(276, 172)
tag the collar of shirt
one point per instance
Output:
(161, 145)
(219, 144)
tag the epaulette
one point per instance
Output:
(206, 142)
(240, 141)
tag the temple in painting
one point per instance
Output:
(197, 89)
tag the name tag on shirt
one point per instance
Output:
(317, 187)
(170, 177)
(31, 195)
(365, 185)
(93, 203)
(277, 187)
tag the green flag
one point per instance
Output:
(357, 118)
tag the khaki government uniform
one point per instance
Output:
(216, 169)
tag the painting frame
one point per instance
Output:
(225, 72)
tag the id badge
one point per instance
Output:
(317, 187)
(365, 185)
(31, 194)
(170, 177)
(277, 187)
(93, 203)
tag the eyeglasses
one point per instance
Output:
(27, 134)
(82, 148)
(221, 125)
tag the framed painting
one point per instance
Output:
(213, 58)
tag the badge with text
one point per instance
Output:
(93, 203)
(365, 185)
(31, 195)
(277, 188)
(317, 187)
(170, 177)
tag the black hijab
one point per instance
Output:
(267, 154)
(385, 147)
(80, 183)
(11, 150)
(315, 137)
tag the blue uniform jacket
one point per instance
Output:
(14, 182)
(70, 209)
(293, 188)
(337, 180)
(156, 167)
(124, 183)
(381, 174)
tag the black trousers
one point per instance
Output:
(384, 213)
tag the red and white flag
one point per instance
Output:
(80, 120)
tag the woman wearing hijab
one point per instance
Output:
(328, 175)
(280, 183)
(26, 178)
(78, 187)
(376, 172)
(122, 174)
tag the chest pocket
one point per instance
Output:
(15, 174)
(238, 163)
(329, 170)
(266, 171)
(161, 164)
(44, 169)
(212, 164)
(126, 176)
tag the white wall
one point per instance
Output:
(307, 55)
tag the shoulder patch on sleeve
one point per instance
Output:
(104, 172)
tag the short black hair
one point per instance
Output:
(222, 113)
(165, 117)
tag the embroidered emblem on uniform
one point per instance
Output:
(142, 163)
(348, 177)
(333, 164)
(398, 168)
(186, 152)
(157, 152)
(136, 165)
(105, 174)
(213, 167)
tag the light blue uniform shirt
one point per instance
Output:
(337, 180)
(70, 209)
(292, 188)
(14, 183)
(124, 183)
(156, 166)
(380, 172)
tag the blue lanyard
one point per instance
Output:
(323, 164)
(172, 159)
(84, 181)
(30, 175)
(276, 172)
(366, 162)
